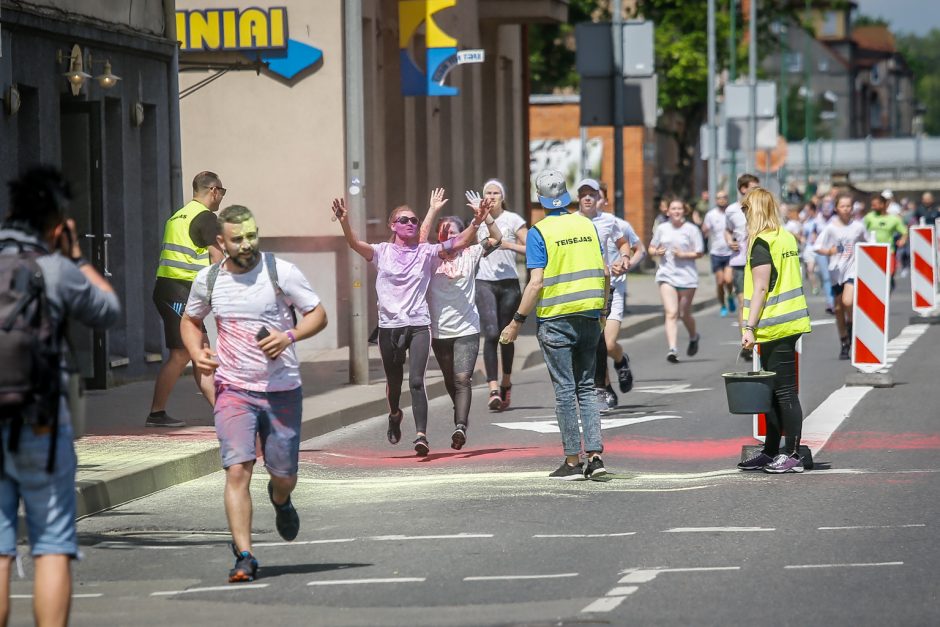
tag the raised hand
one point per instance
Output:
(482, 210)
(473, 199)
(437, 200)
(339, 210)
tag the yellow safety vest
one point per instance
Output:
(785, 312)
(573, 280)
(180, 258)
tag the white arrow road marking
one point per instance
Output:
(551, 426)
(677, 388)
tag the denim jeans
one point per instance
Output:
(569, 346)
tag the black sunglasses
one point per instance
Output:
(406, 220)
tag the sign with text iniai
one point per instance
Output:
(256, 33)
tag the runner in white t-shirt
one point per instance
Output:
(678, 243)
(455, 321)
(837, 241)
(736, 237)
(404, 274)
(713, 227)
(618, 300)
(498, 292)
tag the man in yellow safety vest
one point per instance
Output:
(189, 245)
(568, 287)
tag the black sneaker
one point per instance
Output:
(595, 468)
(610, 397)
(394, 428)
(624, 375)
(161, 419)
(246, 567)
(567, 472)
(844, 353)
(458, 438)
(286, 519)
(422, 448)
(693, 346)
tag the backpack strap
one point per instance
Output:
(211, 278)
(270, 263)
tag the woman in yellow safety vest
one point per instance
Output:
(775, 316)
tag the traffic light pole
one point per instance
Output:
(618, 106)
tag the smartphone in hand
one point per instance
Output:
(262, 333)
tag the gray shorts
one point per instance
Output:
(737, 279)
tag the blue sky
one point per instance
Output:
(905, 16)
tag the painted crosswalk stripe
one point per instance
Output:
(584, 535)
(871, 527)
(605, 604)
(353, 582)
(709, 529)
(455, 536)
(512, 577)
(240, 586)
(299, 542)
(856, 565)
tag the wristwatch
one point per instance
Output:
(518, 317)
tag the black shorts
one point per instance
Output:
(838, 288)
(170, 296)
(719, 262)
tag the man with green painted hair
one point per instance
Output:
(253, 297)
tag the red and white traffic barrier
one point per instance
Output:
(871, 306)
(760, 420)
(923, 269)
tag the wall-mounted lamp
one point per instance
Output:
(76, 75)
(11, 100)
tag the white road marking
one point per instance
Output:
(514, 577)
(709, 529)
(819, 426)
(622, 591)
(455, 536)
(304, 542)
(604, 604)
(584, 535)
(238, 586)
(676, 388)
(857, 565)
(551, 425)
(821, 322)
(698, 569)
(639, 576)
(352, 582)
(871, 527)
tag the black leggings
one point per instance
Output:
(497, 301)
(456, 357)
(787, 414)
(393, 343)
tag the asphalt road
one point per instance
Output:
(676, 536)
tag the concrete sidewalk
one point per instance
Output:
(120, 460)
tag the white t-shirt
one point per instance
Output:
(402, 283)
(843, 237)
(687, 238)
(737, 226)
(501, 263)
(452, 295)
(241, 305)
(715, 223)
(613, 253)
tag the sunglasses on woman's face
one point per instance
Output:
(406, 220)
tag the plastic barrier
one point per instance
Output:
(871, 307)
(923, 269)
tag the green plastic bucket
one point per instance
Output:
(749, 392)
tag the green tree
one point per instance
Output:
(552, 49)
(922, 53)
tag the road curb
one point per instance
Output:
(97, 495)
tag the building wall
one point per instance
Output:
(562, 121)
(129, 183)
(279, 146)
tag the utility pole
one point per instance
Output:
(808, 102)
(784, 32)
(733, 76)
(355, 174)
(618, 107)
(752, 80)
(713, 160)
